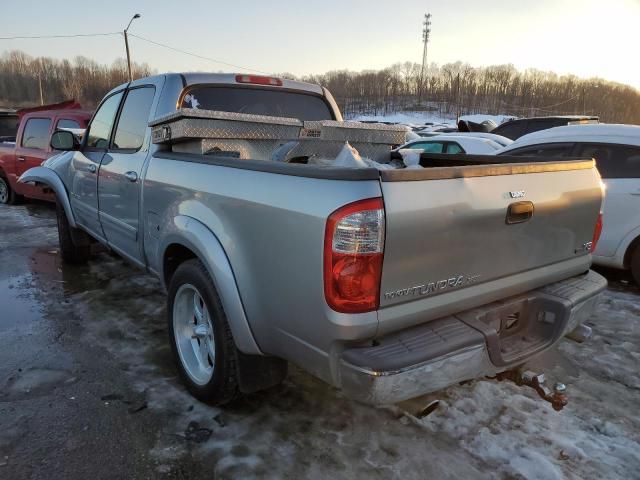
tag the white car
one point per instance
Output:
(616, 149)
(503, 141)
(452, 144)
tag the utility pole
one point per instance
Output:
(126, 45)
(426, 32)
(40, 86)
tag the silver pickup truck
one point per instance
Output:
(387, 284)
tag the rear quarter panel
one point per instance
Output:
(271, 227)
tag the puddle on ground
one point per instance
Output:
(34, 382)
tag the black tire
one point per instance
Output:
(7, 195)
(635, 265)
(223, 385)
(75, 245)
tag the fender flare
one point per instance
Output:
(194, 235)
(52, 180)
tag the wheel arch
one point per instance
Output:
(189, 238)
(635, 243)
(52, 180)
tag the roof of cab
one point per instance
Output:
(600, 132)
(194, 78)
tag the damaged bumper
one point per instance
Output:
(471, 344)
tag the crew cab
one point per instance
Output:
(31, 147)
(387, 283)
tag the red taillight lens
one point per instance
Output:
(596, 233)
(353, 250)
(259, 80)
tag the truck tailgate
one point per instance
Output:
(464, 233)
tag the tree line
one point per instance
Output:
(26, 81)
(448, 90)
(457, 88)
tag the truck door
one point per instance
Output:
(121, 171)
(86, 164)
(32, 150)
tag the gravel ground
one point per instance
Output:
(89, 390)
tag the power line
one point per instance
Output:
(199, 56)
(22, 37)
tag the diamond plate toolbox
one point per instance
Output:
(189, 124)
(354, 132)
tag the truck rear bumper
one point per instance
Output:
(470, 344)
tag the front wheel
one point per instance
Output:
(75, 245)
(7, 195)
(201, 339)
(635, 265)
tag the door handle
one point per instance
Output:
(91, 168)
(21, 159)
(519, 212)
(131, 176)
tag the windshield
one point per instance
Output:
(258, 101)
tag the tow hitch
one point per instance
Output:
(557, 398)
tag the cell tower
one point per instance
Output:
(426, 32)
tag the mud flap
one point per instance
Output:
(256, 372)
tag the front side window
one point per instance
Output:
(134, 118)
(102, 123)
(36, 133)
(613, 161)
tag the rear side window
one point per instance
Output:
(613, 161)
(454, 148)
(134, 118)
(102, 123)
(36, 133)
(276, 103)
(68, 123)
(429, 147)
(512, 130)
(545, 151)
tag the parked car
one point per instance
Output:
(387, 284)
(616, 149)
(502, 141)
(31, 148)
(453, 144)
(515, 129)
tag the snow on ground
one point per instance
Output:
(421, 118)
(307, 429)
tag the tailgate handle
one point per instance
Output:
(519, 212)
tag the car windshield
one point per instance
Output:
(258, 101)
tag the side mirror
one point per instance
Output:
(64, 140)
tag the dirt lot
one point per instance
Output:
(88, 390)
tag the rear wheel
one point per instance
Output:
(7, 195)
(201, 338)
(635, 265)
(75, 245)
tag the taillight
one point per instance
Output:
(353, 250)
(259, 80)
(596, 233)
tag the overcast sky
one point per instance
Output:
(584, 37)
